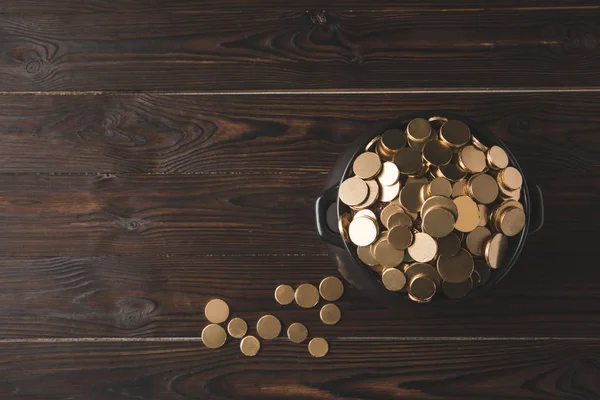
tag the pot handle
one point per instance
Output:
(321, 205)
(537, 209)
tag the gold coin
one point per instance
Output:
(410, 197)
(408, 161)
(343, 225)
(483, 214)
(330, 314)
(418, 130)
(297, 332)
(483, 270)
(476, 240)
(365, 213)
(365, 255)
(415, 269)
(458, 189)
(456, 268)
(512, 221)
(216, 311)
(510, 178)
(448, 245)
(250, 346)
(495, 250)
(435, 152)
(393, 139)
(388, 210)
(363, 231)
(400, 237)
(455, 133)
(367, 165)
(268, 327)
(457, 290)
(386, 255)
(318, 347)
(471, 159)
(483, 188)
(237, 328)
(213, 336)
(468, 214)
(393, 279)
(284, 294)
(478, 144)
(371, 197)
(331, 288)
(437, 187)
(399, 219)
(497, 158)
(422, 288)
(307, 296)
(389, 193)
(506, 194)
(372, 143)
(437, 202)
(389, 174)
(353, 191)
(424, 247)
(450, 171)
(499, 211)
(438, 222)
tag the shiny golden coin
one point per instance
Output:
(268, 327)
(386, 255)
(451, 172)
(284, 294)
(418, 130)
(408, 161)
(353, 191)
(512, 221)
(437, 187)
(471, 159)
(437, 202)
(415, 269)
(506, 194)
(438, 222)
(400, 237)
(510, 178)
(399, 218)
(365, 213)
(483, 214)
(483, 270)
(297, 332)
(318, 347)
(449, 245)
(478, 144)
(497, 158)
(455, 133)
(456, 268)
(371, 145)
(393, 139)
(435, 152)
(499, 211)
(372, 196)
(237, 328)
(364, 254)
(422, 288)
(389, 174)
(410, 197)
(457, 290)
(331, 288)
(468, 214)
(213, 336)
(458, 189)
(388, 210)
(216, 311)
(330, 314)
(424, 247)
(250, 346)
(306, 296)
(476, 240)
(367, 165)
(343, 225)
(389, 193)
(363, 231)
(495, 250)
(483, 188)
(393, 279)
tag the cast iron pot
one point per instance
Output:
(344, 253)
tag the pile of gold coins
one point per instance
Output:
(431, 208)
(269, 327)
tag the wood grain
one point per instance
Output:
(378, 370)
(273, 133)
(265, 49)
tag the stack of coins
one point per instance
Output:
(431, 208)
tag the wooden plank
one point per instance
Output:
(164, 296)
(264, 49)
(377, 370)
(273, 133)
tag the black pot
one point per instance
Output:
(344, 253)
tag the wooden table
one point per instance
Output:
(156, 154)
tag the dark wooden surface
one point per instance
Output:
(126, 204)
